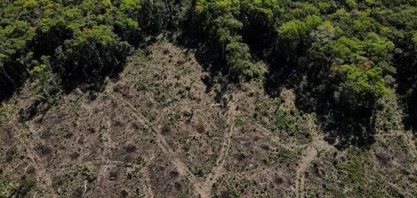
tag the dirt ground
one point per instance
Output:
(159, 131)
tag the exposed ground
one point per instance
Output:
(160, 131)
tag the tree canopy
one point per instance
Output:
(352, 52)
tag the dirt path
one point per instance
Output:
(148, 187)
(403, 192)
(202, 188)
(217, 171)
(311, 152)
(163, 145)
(309, 156)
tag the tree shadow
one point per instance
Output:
(205, 55)
(410, 120)
(217, 73)
(281, 75)
(12, 76)
(349, 127)
(314, 93)
(342, 124)
(406, 77)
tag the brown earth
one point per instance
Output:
(159, 132)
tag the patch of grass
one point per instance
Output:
(142, 84)
(239, 123)
(403, 143)
(357, 173)
(172, 119)
(285, 121)
(7, 187)
(278, 120)
(165, 95)
(281, 156)
(388, 117)
(182, 195)
(27, 183)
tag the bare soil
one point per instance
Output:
(158, 131)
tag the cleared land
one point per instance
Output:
(160, 131)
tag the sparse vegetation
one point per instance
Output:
(208, 98)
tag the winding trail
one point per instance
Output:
(309, 155)
(224, 153)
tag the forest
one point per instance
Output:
(347, 62)
(341, 57)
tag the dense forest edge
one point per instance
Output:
(346, 69)
(341, 57)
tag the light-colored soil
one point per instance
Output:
(158, 131)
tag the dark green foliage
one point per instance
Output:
(85, 40)
(340, 57)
